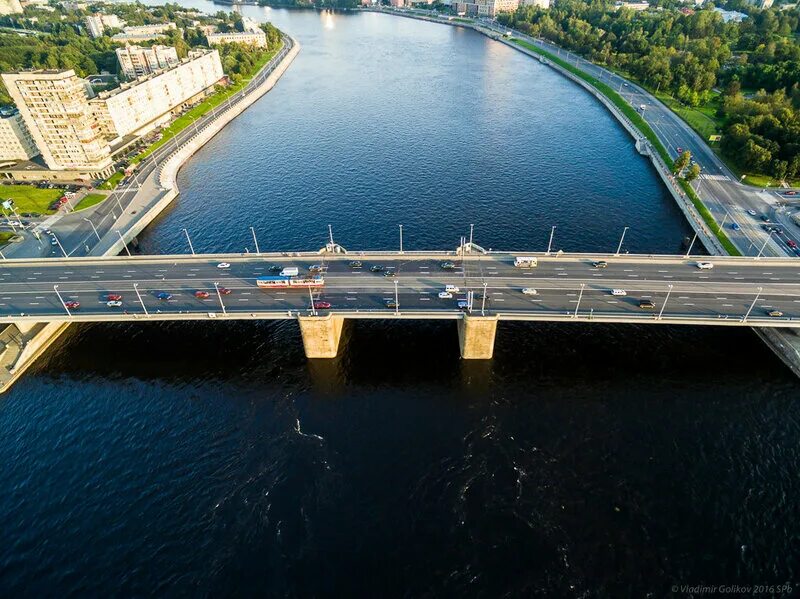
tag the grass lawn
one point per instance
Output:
(637, 120)
(702, 119)
(30, 199)
(112, 181)
(4, 237)
(89, 200)
(186, 120)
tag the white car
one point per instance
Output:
(451, 289)
(529, 291)
(114, 303)
(619, 292)
(223, 265)
(705, 265)
(752, 213)
(445, 295)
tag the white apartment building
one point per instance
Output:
(139, 106)
(143, 33)
(16, 142)
(250, 38)
(539, 3)
(10, 7)
(251, 25)
(55, 109)
(136, 61)
(97, 24)
(486, 8)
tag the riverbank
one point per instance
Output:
(157, 192)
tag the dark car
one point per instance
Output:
(390, 303)
(390, 273)
(163, 295)
(355, 264)
(600, 264)
(275, 268)
(224, 291)
(315, 268)
(765, 218)
(646, 305)
(377, 268)
(447, 265)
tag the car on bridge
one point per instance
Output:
(224, 291)
(775, 313)
(223, 265)
(447, 265)
(315, 268)
(275, 268)
(321, 305)
(114, 304)
(390, 303)
(600, 264)
(705, 265)
(451, 288)
(445, 295)
(752, 212)
(390, 273)
(377, 268)
(529, 291)
(355, 264)
(72, 304)
(113, 297)
(619, 292)
(735, 226)
(646, 304)
(199, 294)
(792, 244)
(164, 295)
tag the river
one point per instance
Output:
(213, 459)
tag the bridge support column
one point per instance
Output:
(476, 336)
(321, 335)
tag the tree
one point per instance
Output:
(778, 168)
(692, 173)
(681, 161)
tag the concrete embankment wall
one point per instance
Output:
(36, 338)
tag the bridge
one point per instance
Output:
(737, 291)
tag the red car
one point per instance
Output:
(792, 244)
(202, 294)
(790, 193)
(320, 305)
(72, 304)
(224, 290)
(114, 297)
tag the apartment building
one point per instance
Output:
(97, 24)
(136, 61)
(250, 38)
(16, 142)
(485, 8)
(55, 110)
(139, 106)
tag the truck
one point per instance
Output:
(290, 271)
(526, 262)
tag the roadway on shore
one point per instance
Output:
(726, 291)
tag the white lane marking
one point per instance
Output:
(243, 299)
(39, 297)
(246, 293)
(663, 271)
(727, 305)
(688, 304)
(33, 303)
(499, 299)
(31, 278)
(350, 299)
(422, 299)
(126, 276)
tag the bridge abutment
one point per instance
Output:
(476, 337)
(321, 335)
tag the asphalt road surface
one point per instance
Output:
(726, 291)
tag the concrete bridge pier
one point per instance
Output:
(476, 336)
(321, 335)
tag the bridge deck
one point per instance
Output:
(720, 296)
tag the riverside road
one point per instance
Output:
(565, 286)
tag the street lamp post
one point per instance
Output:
(396, 300)
(93, 228)
(483, 299)
(763, 247)
(691, 245)
(253, 231)
(191, 247)
(621, 239)
(471, 231)
(141, 301)
(753, 305)
(578, 305)
(401, 239)
(664, 305)
(61, 299)
(311, 299)
(125, 245)
(550, 243)
(219, 295)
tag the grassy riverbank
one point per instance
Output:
(638, 122)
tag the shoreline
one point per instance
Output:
(29, 342)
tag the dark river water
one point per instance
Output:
(212, 459)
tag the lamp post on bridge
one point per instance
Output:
(763, 247)
(550, 243)
(191, 247)
(753, 305)
(253, 231)
(396, 300)
(483, 300)
(664, 305)
(691, 245)
(401, 239)
(93, 228)
(578, 305)
(61, 299)
(219, 295)
(311, 299)
(621, 239)
(125, 245)
(471, 231)
(141, 301)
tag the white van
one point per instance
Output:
(526, 262)
(290, 271)
(451, 289)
